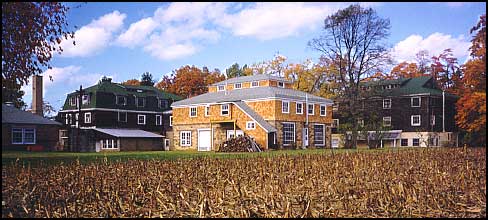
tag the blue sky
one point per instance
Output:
(123, 40)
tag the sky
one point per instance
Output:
(124, 40)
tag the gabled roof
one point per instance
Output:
(257, 77)
(410, 86)
(12, 115)
(250, 93)
(128, 133)
(256, 117)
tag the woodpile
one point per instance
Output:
(240, 144)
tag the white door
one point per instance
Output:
(230, 133)
(204, 140)
(305, 137)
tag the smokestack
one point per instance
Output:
(37, 95)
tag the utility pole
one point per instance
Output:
(80, 101)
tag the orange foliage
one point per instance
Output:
(132, 82)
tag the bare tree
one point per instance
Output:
(352, 40)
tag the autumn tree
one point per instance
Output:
(132, 82)
(147, 79)
(31, 33)
(352, 40)
(471, 107)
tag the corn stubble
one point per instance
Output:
(412, 183)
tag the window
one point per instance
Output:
(121, 100)
(76, 119)
(185, 138)
(250, 125)
(23, 136)
(416, 142)
(404, 142)
(415, 120)
(432, 120)
(170, 121)
(72, 101)
(281, 84)
(319, 134)
(335, 123)
(163, 103)
(386, 103)
(68, 119)
(85, 99)
(159, 119)
(323, 110)
(238, 86)
(122, 116)
(285, 106)
(310, 109)
(386, 121)
(254, 84)
(299, 109)
(415, 101)
(140, 101)
(207, 110)
(288, 133)
(193, 111)
(108, 144)
(141, 119)
(88, 117)
(361, 122)
(433, 141)
(335, 107)
(221, 88)
(224, 109)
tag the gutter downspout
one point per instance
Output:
(443, 111)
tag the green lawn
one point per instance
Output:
(36, 158)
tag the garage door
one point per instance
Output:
(204, 140)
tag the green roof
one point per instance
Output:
(409, 86)
(124, 90)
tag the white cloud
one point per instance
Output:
(273, 20)
(435, 44)
(137, 32)
(94, 36)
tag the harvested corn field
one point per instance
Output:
(413, 183)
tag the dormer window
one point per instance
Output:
(140, 102)
(139, 90)
(220, 88)
(238, 86)
(163, 103)
(281, 84)
(254, 84)
(121, 100)
(85, 99)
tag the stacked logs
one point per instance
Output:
(240, 144)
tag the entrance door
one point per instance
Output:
(305, 137)
(204, 140)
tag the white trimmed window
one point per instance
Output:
(224, 109)
(170, 121)
(415, 120)
(415, 142)
(121, 100)
(122, 116)
(285, 106)
(88, 117)
(207, 111)
(323, 110)
(254, 84)
(415, 101)
(140, 102)
(361, 122)
(250, 125)
(185, 138)
(237, 85)
(23, 135)
(159, 119)
(109, 144)
(85, 99)
(299, 108)
(319, 134)
(335, 123)
(141, 119)
(193, 112)
(386, 103)
(76, 119)
(221, 88)
(310, 109)
(163, 103)
(72, 101)
(386, 121)
(288, 133)
(432, 120)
